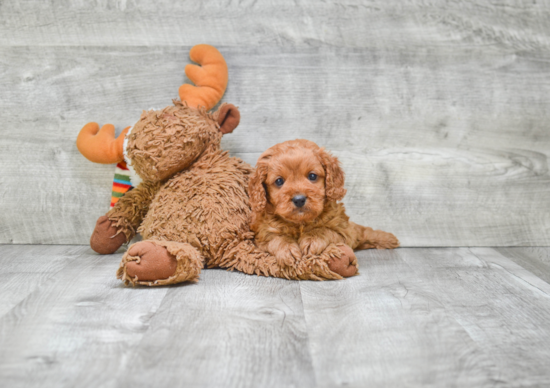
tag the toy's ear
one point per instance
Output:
(228, 118)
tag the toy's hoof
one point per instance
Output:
(346, 265)
(154, 262)
(105, 239)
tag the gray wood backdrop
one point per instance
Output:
(439, 112)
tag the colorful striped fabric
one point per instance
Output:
(121, 183)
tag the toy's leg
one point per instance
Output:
(157, 263)
(333, 264)
(369, 238)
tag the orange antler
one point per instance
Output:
(101, 147)
(210, 78)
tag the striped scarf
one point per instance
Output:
(121, 183)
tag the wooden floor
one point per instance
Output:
(414, 317)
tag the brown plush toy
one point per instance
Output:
(192, 207)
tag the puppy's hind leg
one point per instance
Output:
(368, 238)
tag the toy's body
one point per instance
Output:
(192, 207)
(201, 215)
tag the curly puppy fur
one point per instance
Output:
(294, 194)
(192, 208)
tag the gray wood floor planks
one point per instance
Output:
(533, 259)
(227, 326)
(24, 269)
(458, 317)
(388, 327)
(82, 316)
(489, 295)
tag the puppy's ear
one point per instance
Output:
(334, 176)
(228, 117)
(256, 189)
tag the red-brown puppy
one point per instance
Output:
(293, 194)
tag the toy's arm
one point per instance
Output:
(119, 225)
(130, 210)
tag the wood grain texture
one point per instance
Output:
(414, 317)
(489, 295)
(387, 327)
(82, 327)
(350, 23)
(533, 259)
(74, 329)
(27, 268)
(431, 317)
(437, 111)
(230, 329)
(443, 176)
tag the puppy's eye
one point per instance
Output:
(312, 177)
(279, 182)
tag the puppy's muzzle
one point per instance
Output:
(299, 200)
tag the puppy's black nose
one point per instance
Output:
(299, 200)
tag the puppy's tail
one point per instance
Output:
(245, 257)
(367, 238)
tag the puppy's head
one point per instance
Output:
(294, 180)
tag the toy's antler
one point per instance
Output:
(100, 146)
(210, 78)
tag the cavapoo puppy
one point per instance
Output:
(294, 195)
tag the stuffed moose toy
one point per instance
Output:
(192, 206)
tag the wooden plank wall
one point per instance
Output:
(439, 112)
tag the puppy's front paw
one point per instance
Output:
(313, 245)
(288, 254)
